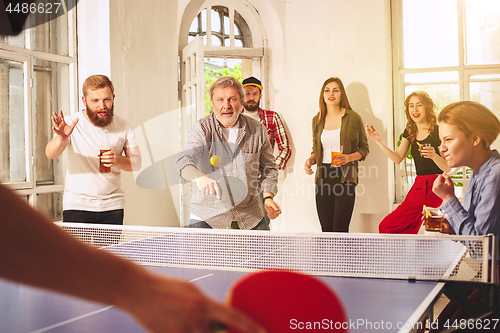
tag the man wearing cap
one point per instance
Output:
(271, 121)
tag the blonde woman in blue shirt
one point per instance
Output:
(467, 130)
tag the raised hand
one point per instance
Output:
(60, 127)
(443, 187)
(372, 132)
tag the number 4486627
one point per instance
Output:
(41, 8)
(484, 324)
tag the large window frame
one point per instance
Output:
(43, 195)
(405, 172)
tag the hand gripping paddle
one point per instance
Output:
(232, 189)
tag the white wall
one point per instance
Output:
(144, 71)
(308, 41)
(136, 46)
(323, 38)
(93, 41)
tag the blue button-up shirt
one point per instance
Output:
(480, 213)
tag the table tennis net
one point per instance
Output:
(419, 257)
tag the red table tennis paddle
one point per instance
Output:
(284, 301)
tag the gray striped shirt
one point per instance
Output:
(250, 156)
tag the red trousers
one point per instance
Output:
(407, 218)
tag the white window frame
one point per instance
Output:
(26, 55)
(464, 74)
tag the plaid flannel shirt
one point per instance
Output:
(277, 134)
(251, 154)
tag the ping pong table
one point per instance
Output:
(386, 283)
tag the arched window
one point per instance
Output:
(219, 42)
(227, 29)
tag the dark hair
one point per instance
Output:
(344, 102)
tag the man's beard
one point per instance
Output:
(253, 107)
(101, 121)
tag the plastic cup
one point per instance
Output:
(335, 154)
(102, 168)
(422, 146)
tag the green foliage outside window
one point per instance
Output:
(211, 76)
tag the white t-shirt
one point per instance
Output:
(254, 114)
(230, 134)
(86, 187)
(330, 139)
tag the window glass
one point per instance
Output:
(216, 41)
(52, 36)
(51, 93)
(441, 94)
(220, 28)
(50, 204)
(216, 21)
(216, 68)
(227, 26)
(482, 22)
(237, 31)
(203, 15)
(31, 87)
(194, 25)
(12, 122)
(423, 47)
(485, 89)
(431, 34)
(431, 77)
(242, 34)
(441, 86)
(13, 40)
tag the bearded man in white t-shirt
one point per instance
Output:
(92, 196)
